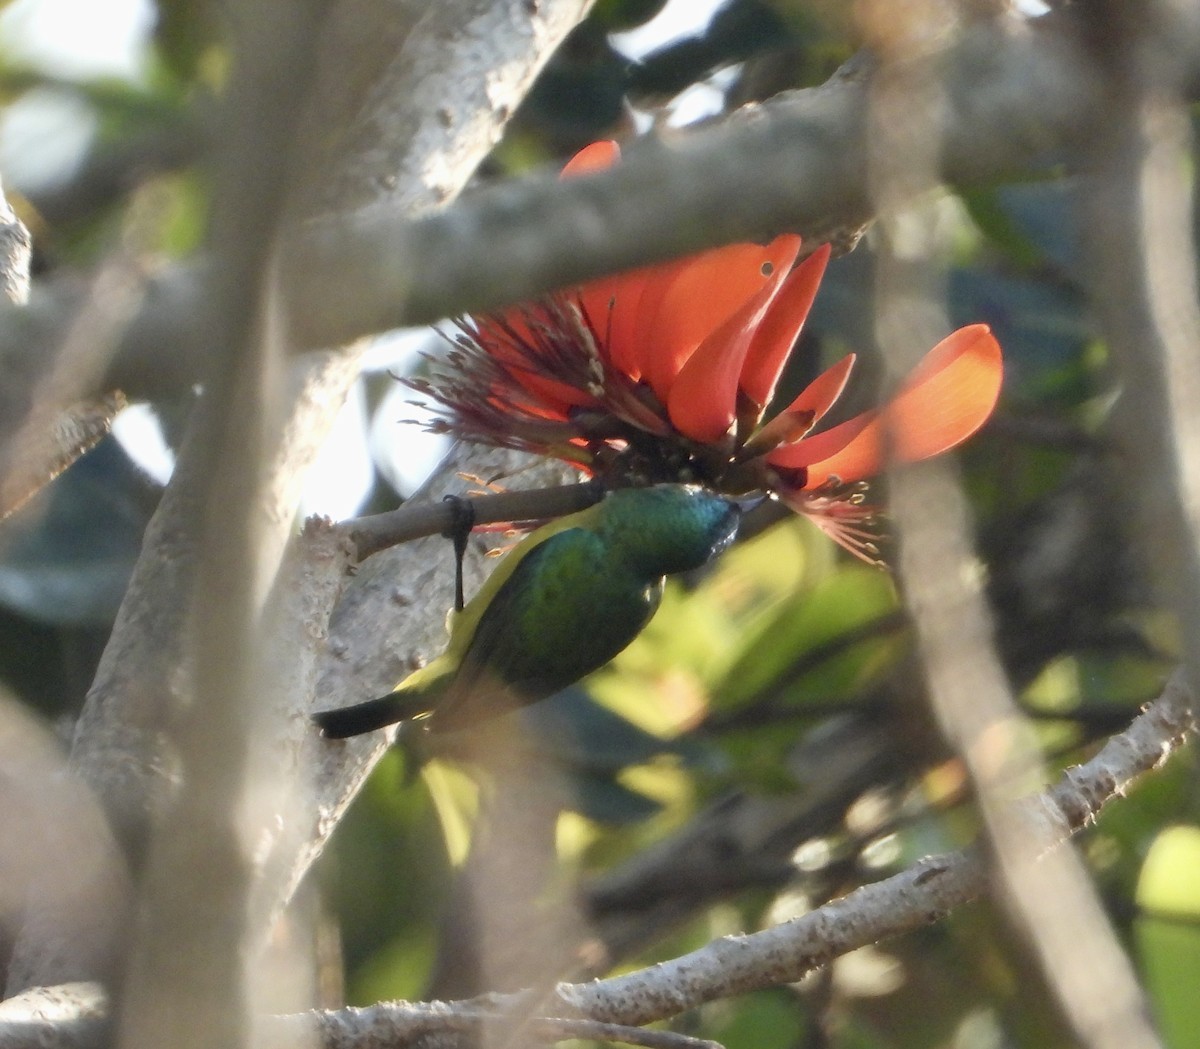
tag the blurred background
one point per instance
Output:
(763, 747)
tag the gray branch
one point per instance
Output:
(118, 749)
(1022, 95)
(732, 965)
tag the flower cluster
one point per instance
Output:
(665, 373)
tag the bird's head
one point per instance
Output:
(668, 528)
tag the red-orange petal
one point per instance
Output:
(702, 401)
(948, 396)
(778, 333)
(822, 446)
(795, 421)
(633, 326)
(822, 393)
(611, 303)
(704, 293)
(599, 156)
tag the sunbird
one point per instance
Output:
(568, 599)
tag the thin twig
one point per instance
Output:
(203, 996)
(1051, 901)
(909, 900)
(117, 747)
(1019, 95)
(381, 531)
(732, 965)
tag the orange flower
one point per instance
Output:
(664, 373)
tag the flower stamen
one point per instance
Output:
(664, 374)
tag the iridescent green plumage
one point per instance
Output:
(561, 605)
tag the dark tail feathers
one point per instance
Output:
(368, 716)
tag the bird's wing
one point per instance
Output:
(463, 624)
(555, 618)
(475, 664)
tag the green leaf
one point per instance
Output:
(1170, 956)
(764, 1020)
(388, 876)
(1168, 885)
(997, 225)
(824, 639)
(1168, 932)
(576, 731)
(604, 800)
(615, 16)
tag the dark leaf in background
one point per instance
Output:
(737, 31)
(65, 559)
(579, 98)
(591, 745)
(615, 16)
(575, 730)
(185, 34)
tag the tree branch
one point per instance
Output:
(118, 744)
(415, 521)
(228, 785)
(882, 910)
(732, 965)
(1050, 899)
(1022, 92)
(405, 155)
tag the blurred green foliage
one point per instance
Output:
(1168, 929)
(784, 640)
